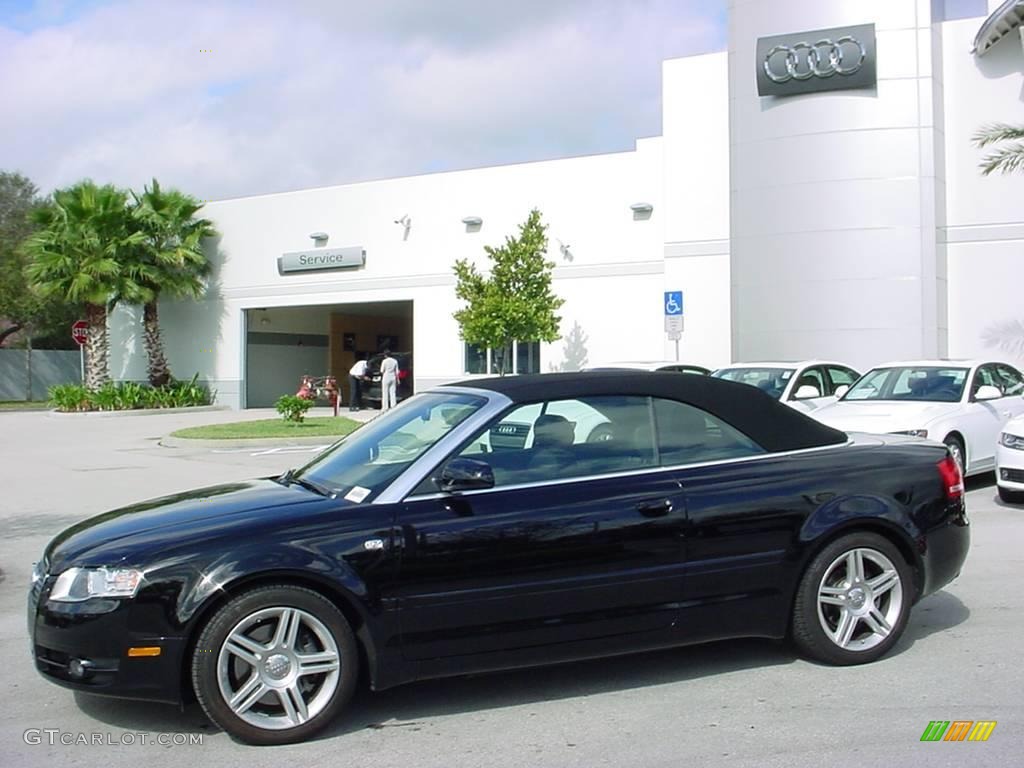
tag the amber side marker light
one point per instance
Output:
(144, 650)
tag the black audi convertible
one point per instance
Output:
(499, 523)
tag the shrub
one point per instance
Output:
(130, 395)
(70, 397)
(293, 407)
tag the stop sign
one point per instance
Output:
(80, 332)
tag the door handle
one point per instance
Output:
(658, 508)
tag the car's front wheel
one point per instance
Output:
(275, 664)
(853, 601)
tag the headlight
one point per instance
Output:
(77, 584)
(1012, 441)
(912, 432)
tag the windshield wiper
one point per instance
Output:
(289, 477)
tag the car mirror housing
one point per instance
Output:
(461, 474)
(806, 392)
(987, 392)
(842, 389)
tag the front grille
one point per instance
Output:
(1013, 475)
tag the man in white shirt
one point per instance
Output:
(356, 374)
(388, 381)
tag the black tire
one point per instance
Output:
(867, 642)
(956, 448)
(1011, 497)
(318, 623)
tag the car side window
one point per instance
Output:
(1013, 381)
(987, 376)
(811, 377)
(566, 439)
(840, 377)
(689, 435)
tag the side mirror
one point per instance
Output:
(466, 475)
(987, 392)
(842, 389)
(806, 392)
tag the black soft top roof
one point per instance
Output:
(776, 427)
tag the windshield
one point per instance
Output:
(928, 383)
(770, 380)
(364, 463)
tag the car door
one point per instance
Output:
(583, 546)
(813, 375)
(744, 511)
(1013, 390)
(984, 419)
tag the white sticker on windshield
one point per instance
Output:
(357, 494)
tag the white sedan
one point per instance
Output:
(961, 403)
(1010, 462)
(806, 386)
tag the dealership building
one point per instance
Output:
(814, 193)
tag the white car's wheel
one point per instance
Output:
(956, 450)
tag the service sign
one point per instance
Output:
(820, 60)
(350, 257)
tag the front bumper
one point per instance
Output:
(1009, 468)
(84, 646)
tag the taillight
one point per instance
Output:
(403, 374)
(952, 478)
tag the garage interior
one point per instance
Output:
(285, 343)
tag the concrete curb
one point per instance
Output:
(138, 412)
(245, 442)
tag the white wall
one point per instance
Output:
(835, 194)
(695, 106)
(985, 214)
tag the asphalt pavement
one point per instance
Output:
(742, 703)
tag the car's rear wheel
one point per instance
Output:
(275, 664)
(1011, 497)
(853, 601)
(956, 450)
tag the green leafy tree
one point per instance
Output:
(169, 262)
(514, 300)
(20, 308)
(1008, 157)
(85, 237)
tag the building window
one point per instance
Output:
(517, 357)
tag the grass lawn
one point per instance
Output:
(320, 426)
(23, 405)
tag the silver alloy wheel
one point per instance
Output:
(278, 668)
(860, 598)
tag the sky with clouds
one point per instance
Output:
(225, 98)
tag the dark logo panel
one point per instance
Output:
(820, 60)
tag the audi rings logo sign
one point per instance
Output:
(819, 60)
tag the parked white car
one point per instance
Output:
(1010, 461)
(806, 386)
(962, 403)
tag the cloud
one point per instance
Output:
(236, 98)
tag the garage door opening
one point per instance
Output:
(283, 344)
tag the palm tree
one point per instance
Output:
(1007, 158)
(169, 262)
(84, 238)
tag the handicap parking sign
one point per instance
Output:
(673, 302)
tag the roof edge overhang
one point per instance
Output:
(1006, 18)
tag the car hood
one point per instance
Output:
(883, 415)
(232, 509)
